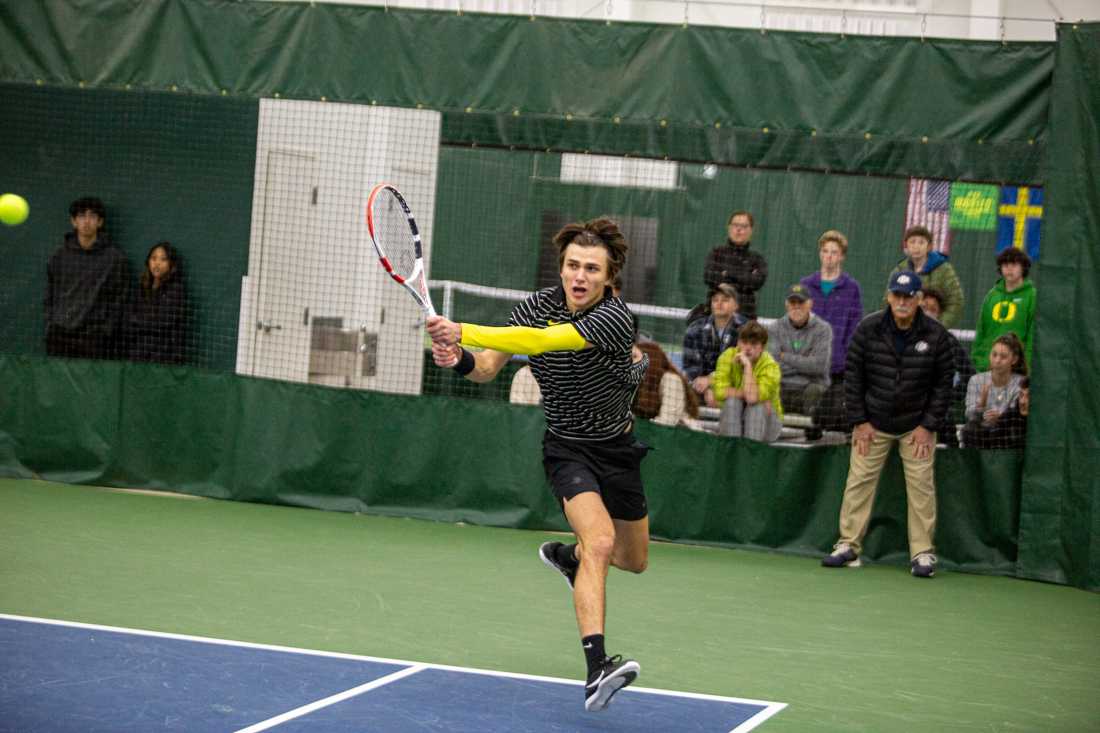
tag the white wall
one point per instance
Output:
(328, 268)
(1023, 20)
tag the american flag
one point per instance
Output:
(930, 205)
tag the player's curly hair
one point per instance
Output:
(603, 232)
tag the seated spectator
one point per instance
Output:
(665, 396)
(524, 390)
(157, 323)
(802, 345)
(746, 385)
(1009, 307)
(935, 272)
(1014, 422)
(87, 282)
(991, 395)
(932, 305)
(709, 336)
(838, 301)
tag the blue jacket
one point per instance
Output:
(842, 309)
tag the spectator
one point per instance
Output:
(991, 395)
(802, 345)
(735, 263)
(898, 388)
(932, 305)
(837, 300)
(708, 337)
(746, 385)
(86, 288)
(664, 396)
(934, 271)
(157, 327)
(1009, 307)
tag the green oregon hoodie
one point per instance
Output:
(1004, 312)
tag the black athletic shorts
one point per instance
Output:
(611, 468)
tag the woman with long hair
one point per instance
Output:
(157, 325)
(665, 396)
(992, 395)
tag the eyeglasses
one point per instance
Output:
(735, 225)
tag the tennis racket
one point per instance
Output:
(396, 239)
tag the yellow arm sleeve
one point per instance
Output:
(523, 339)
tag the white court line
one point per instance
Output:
(331, 700)
(770, 707)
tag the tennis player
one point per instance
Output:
(580, 339)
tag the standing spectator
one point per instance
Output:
(932, 305)
(709, 336)
(735, 263)
(898, 385)
(934, 271)
(665, 396)
(1009, 307)
(992, 394)
(157, 327)
(802, 345)
(837, 299)
(86, 288)
(746, 385)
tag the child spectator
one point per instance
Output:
(838, 301)
(1009, 307)
(935, 272)
(746, 385)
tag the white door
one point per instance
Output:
(280, 327)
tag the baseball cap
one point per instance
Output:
(797, 292)
(905, 282)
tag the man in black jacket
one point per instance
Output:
(87, 282)
(734, 263)
(897, 384)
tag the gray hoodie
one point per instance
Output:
(804, 354)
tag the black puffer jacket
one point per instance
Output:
(743, 268)
(897, 392)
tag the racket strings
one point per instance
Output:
(392, 232)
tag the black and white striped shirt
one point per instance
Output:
(586, 395)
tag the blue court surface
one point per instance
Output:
(59, 677)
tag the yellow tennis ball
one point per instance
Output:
(13, 209)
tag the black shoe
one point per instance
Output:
(548, 552)
(615, 674)
(813, 434)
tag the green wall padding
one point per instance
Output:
(454, 459)
(953, 109)
(1060, 522)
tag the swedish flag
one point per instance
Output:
(1019, 218)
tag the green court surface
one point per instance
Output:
(871, 649)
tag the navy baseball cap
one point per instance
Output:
(905, 282)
